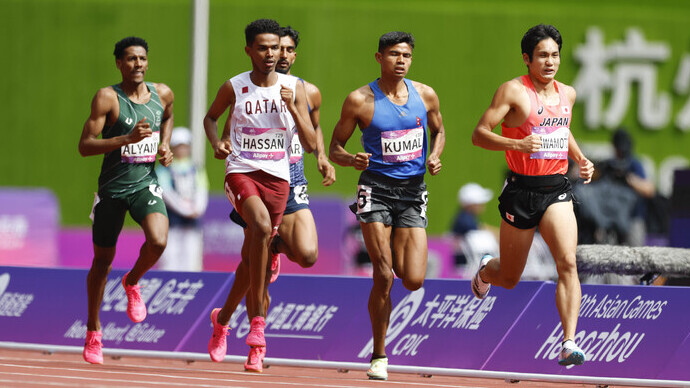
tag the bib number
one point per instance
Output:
(263, 143)
(143, 151)
(363, 199)
(402, 146)
(554, 142)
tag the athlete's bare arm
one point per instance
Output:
(299, 111)
(325, 168)
(437, 133)
(105, 110)
(510, 103)
(574, 152)
(358, 104)
(224, 98)
(167, 97)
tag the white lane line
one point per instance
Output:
(212, 371)
(102, 380)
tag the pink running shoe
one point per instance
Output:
(92, 348)
(256, 332)
(275, 267)
(136, 309)
(255, 360)
(218, 344)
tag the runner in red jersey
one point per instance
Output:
(535, 112)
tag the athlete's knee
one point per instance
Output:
(567, 265)
(308, 257)
(157, 243)
(101, 266)
(383, 276)
(510, 282)
(413, 283)
(260, 229)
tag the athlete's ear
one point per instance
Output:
(525, 58)
(378, 57)
(246, 49)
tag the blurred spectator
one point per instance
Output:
(472, 240)
(630, 189)
(185, 192)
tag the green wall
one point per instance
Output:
(58, 53)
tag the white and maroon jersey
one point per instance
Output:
(261, 128)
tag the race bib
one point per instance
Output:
(296, 150)
(301, 195)
(363, 199)
(402, 146)
(142, 152)
(263, 143)
(554, 142)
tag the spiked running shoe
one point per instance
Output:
(479, 287)
(92, 347)
(378, 370)
(275, 267)
(255, 360)
(218, 344)
(571, 354)
(256, 332)
(136, 309)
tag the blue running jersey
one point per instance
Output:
(397, 135)
(297, 177)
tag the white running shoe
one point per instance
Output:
(378, 369)
(571, 354)
(479, 287)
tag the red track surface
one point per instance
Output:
(19, 368)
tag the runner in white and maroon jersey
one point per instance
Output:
(256, 151)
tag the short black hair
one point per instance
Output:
(622, 142)
(129, 42)
(260, 26)
(394, 37)
(538, 33)
(292, 33)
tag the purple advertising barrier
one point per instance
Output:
(625, 331)
(176, 302)
(223, 238)
(677, 368)
(75, 246)
(29, 221)
(326, 318)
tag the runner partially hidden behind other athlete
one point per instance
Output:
(135, 120)
(534, 111)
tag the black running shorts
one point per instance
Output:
(524, 198)
(397, 202)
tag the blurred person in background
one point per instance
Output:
(472, 240)
(185, 192)
(626, 172)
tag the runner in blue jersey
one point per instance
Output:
(394, 115)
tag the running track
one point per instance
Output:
(27, 368)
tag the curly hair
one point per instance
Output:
(260, 26)
(129, 42)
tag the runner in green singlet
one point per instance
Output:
(134, 120)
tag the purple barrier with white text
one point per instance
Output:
(627, 331)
